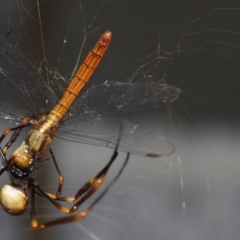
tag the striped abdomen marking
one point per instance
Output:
(81, 78)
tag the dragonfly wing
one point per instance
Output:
(25, 78)
(12, 114)
(106, 132)
(120, 97)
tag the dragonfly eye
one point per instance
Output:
(13, 199)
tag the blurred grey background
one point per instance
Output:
(194, 45)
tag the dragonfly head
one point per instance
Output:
(13, 199)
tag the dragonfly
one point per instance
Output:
(83, 118)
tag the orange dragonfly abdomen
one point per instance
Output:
(40, 137)
(81, 78)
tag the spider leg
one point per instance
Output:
(90, 187)
(4, 161)
(24, 123)
(60, 178)
(84, 193)
(3, 167)
(36, 225)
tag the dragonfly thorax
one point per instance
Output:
(37, 142)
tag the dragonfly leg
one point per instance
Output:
(86, 188)
(24, 123)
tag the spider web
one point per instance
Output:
(192, 194)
